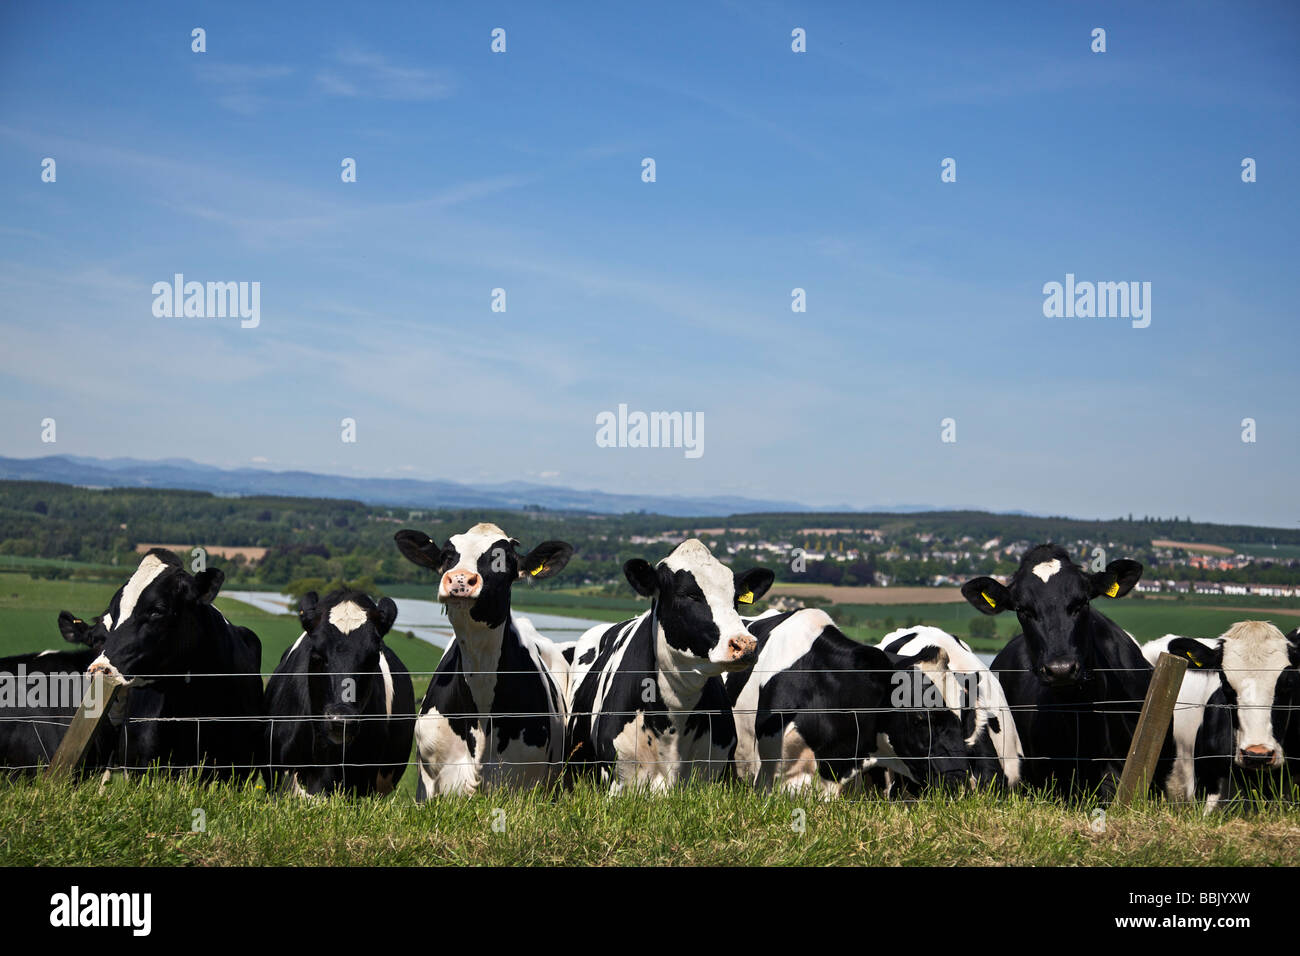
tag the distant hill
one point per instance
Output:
(405, 492)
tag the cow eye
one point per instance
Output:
(1075, 606)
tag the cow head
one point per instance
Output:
(77, 631)
(1260, 682)
(925, 724)
(695, 602)
(154, 621)
(478, 567)
(344, 638)
(1050, 595)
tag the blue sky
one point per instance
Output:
(775, 170)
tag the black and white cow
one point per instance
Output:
(494, 711)
(974, 694)
(1248, 740)
(1199, 684)
(32, 727)
(1074, 679)
(647, 707)
(341, 703)
(821, 710)
(194, 688)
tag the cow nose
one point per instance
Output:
(1257, 755)
(102, 665)
(460, 583)
(338, 726)
(738, 648)
(1062, 670)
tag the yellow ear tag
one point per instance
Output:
(746, 598)
(537, 570)
(1189, 656)
(991, 602)
(1112, 590)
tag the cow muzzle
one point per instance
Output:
(739, 652)
(1061, 672)
(340, 724)
(1257, 757)
(460, 585)
(101, 666)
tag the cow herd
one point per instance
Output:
(693, 688)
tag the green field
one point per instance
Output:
(29, 611)
(1145, 619)
(151, 823)
(29, 608)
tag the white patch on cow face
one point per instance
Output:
(470, 548)
(719, 586)
(1254, 656)
(474, 543)
(347, 616)
(1045, 570)
(149, 568)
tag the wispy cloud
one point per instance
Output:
(240, 87)
(361, 73)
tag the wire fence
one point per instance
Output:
(863, 756)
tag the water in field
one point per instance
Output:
(424, 619)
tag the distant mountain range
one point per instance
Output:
(401, 492)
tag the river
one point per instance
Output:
(425, 619)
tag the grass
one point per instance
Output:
(151, 822)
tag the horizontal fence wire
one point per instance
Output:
(866, 759)
(650, 671)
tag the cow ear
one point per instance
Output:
(643, 578)
(384, 616)
(545, 560)
(1293, 647)
(73, 628)
(1197, 653)
(987, 596)
(418, 548)
(207, 584)
(309, 611)
(1117, 580)
(753, 584)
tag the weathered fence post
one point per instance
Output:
(1153, 724)
(96, 703)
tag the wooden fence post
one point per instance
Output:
(1152, 725)
(96, 703)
